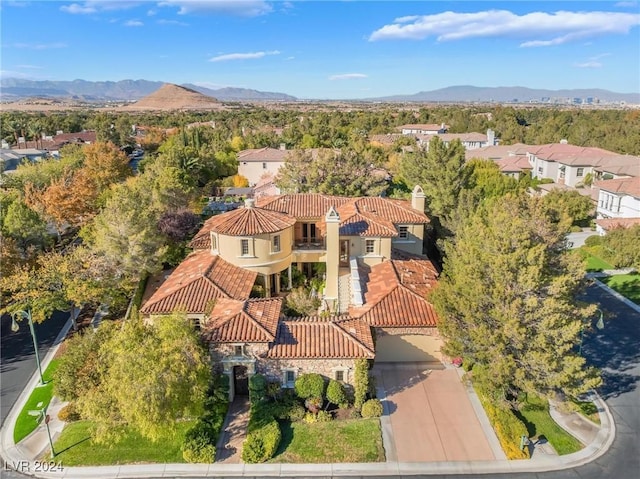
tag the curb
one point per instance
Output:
(615, 294)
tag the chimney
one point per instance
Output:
(417, 199)
(283, 146)
(332, 220)
(563, 141)
(491, 137)
(249, 203)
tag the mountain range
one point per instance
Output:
(130, 90)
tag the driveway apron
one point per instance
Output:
(431, 416)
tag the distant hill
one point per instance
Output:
(174, 97)
(467, 93)
(124, 90)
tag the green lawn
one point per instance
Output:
(353, 440)
(75, 447)
(627, 285)
(594, 263)
(535, 413)
(40, 398)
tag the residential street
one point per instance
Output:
(18, 362)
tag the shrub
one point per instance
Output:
(69, 413)
(263, 435)
(296, 412)
(257, 387)
(361, 383)
(324, 416)
(310, 418)
(263, 438)
(336, 393)
(594, 240)
(199, 444)
(508, 427)
(300, 303)
(372, 408)
(309, 385)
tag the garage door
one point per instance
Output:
(408, 348)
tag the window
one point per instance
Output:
(275, 244)
(404, 232)
(264, 166)
(540, 170)
(340, 375)
(289, 378)
(237, 350)
(244, 247)
(580, 172)
(369, 246)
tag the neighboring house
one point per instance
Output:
(567, 164)
(253, 164)
(604, 225)
(52, 144)
(366, 244)
(471, 141)
(423, 129)
(618, 199)
(514, 166)
(11, 159)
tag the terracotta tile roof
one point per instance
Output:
(571, 154)
(464, 137)
(395, 211)
(247, 221)
(496, 152)
(627, 186)
(263, 154)
(302, 205)
(252, 321)
(424, 126)
(609, 224)
(200, 278)
(621, 165)
(513, 164)
(396, 294)
(313, 338)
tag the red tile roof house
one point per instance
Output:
(369, 245)
(618, 203)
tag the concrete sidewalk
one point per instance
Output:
(597, 441)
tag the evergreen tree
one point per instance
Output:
(506, 299)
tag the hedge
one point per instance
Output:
(372, 408)
(508, 428)
(263, 436)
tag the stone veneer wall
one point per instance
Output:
(274, 369)
(220, 351)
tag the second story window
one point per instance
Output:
(244, 247)
(275, 244)
(237, 350)
(264, 166)
(369, 246)
(580, 172)
(403, 232)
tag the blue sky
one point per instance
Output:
(326, 49)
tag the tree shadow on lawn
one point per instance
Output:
(287, 437)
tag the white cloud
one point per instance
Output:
(626, 4)
(243, 8)
(40, 46)
(348, 76)
(14, 74)
(290, 58)
(133, 23)
(94, 6)
(589, 64)
(172, 22)
(559, 27)
(29, 67)
(243, 56)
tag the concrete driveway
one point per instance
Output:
(431, 416)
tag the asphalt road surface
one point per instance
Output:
(616, 350)
(17, 358)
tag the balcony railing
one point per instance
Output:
(308, 243)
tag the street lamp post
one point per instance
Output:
(14, 327)
(599, 325)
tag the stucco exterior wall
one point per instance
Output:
(253, 170)
(413, 242)
(261, 257)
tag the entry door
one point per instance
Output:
(240, 380)
(344, 253)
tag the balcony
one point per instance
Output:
(308, 244)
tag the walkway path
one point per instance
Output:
(229, 447)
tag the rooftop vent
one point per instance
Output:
(249, 203)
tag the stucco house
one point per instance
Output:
(376, 282)
(255, 163)
(618, 203)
